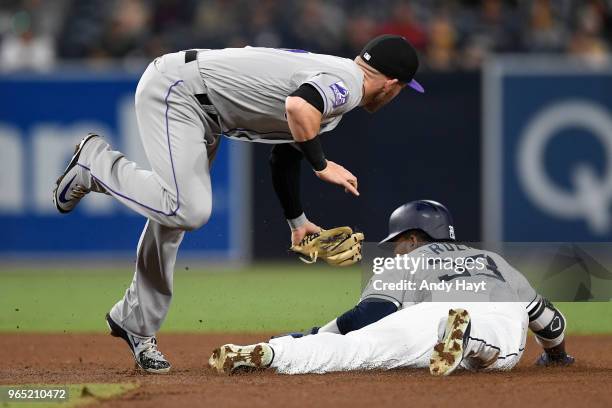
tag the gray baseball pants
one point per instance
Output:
(175, 196)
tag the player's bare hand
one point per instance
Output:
(298, 235)
(336, 174)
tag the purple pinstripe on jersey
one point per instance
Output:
(178, 205)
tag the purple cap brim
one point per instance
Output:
(416, 86)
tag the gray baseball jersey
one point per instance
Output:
(449, 272)
(248, 87)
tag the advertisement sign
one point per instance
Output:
(547, 150)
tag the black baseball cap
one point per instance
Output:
(395, 57)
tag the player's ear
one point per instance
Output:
(389, 83)
(414, 240)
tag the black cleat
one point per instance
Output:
(144, 349)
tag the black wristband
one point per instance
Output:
(313, 152)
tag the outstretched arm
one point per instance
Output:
(548, 325)
(285, 163)
(365, 313)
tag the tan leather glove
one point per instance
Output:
(337, 246)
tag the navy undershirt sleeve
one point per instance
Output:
(285, 162)
(310, 95)
(365, 313)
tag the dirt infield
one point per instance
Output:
(38, 358)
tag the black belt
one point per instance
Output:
(190, 56)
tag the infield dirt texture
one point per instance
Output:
(61, 339)
(61, 359)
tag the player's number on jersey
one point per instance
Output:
(490, 266)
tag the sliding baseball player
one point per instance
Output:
(185, 102)
(443, 306)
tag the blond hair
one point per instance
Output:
(368, 69)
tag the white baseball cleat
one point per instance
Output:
(74, 183)
(230, 358)
(448, 353)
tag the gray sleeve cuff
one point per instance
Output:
(297, 222)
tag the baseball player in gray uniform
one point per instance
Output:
(185, 102)
(443, 305)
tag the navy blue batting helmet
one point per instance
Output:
(428, 216)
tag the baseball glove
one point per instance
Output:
(338, 247)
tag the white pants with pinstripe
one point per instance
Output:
(175, 196)
(406, 339)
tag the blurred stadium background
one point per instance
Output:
(514, 134)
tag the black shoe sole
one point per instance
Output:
(73, 161)
(117, 331)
